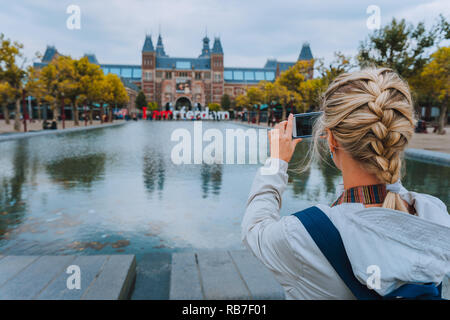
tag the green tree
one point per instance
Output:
(6, 97)
(225, 101)
(140, 101)
(435, 82)
(152, 106)
(35, 87)
(402, 46)
(114, 93)
(214, 107)
(255, 99)
(90, 77)
(12, 73)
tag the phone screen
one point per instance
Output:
(303, 124)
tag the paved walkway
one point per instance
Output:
(221, 275)
(102, 277)
(22, 135)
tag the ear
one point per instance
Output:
(332, 143)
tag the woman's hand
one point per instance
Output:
(282, 146)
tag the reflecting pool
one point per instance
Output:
(117, 190)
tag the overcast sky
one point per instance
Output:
(250, 30)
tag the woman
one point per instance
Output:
(404, 236)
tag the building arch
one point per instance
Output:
(183, 102)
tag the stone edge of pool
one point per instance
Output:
(434, 157)
(25, 135)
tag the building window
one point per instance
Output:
(137, 72)
(238, 75)
(217, 77)
(158, 74)
(183, 74)
(249, 75)
(168, 75)
(207, 75)
(259, 75)
(183, 65)
(270, 76)
(198, 76)
(148, 76)
(228, 75)
(115, 71)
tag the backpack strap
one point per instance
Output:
(329, 241)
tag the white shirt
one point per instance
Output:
(405, 248)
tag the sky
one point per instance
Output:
(251, 31)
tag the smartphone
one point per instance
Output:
(303, 124)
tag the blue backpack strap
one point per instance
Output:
(428, 291)
(329, 241)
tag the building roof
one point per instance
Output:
(283, 66)
(271, 63)
(217, 46)
(201, 63)
(160, 48)
(305, 53)
(127, 83)
(206, 49)
(50, 52)
(91, 58)
(148, 44)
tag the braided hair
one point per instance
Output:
(370, 113)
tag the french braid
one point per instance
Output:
(370, 114)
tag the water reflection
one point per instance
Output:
(428, 178)
(12, 207)
(153, 170)
(77, 171)
(95, 191)
(211, 179)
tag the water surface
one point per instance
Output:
(116, 190)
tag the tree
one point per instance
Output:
(35, 87)
(141, 101)
(435, 81)
(242, 101)
(50, 84)
(225, 101)
(114, 93)
(214, 107)
(6, 96)
(59, 82)
(12, 73)
(401, 46)
(152, 106)
(255, 98)
(90, 78)
(341, 64)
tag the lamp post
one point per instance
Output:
(25, 113)
(63, 115)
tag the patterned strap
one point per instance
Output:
(372, 194)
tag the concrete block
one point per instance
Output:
(446, 287)
(90, 267)
(259, 280)
(220, 278)
(34, 278)
(12, 265)
(185, 282)
(115, 280)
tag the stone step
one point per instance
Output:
(221, 275)
(102, 277)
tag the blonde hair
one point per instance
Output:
(370, 114)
